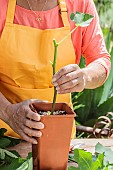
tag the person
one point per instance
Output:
(27, 28)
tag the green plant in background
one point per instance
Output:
(11, 160)
(90, 104)
(81, 20)
(105, 11)
(101, 160)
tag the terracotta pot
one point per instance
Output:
(52, 150)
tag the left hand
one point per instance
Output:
(69, 79)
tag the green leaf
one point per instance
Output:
(81, 19)
(30, 161)
(15, 153)
(14, 165)
(13, 141)
(82, 112)
(110, 167)
(99, 161)
(99, 148)
(2, 131)
(105, 107)
(109, 83)
(105, 168)
(12, 162)
(82, 63)
(29, 155)
(86, 161)
(108, 154)
(71, 168)
(96, 97)
(4, 142)
(24, 166)
(108, 40)
(71, 158)
(3, 152)
(83, 158)
(30, 164)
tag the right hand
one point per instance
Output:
(22, 119)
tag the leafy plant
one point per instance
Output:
(11, 160)
(101, 160)
(81, 20)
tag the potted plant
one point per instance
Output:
(53, 147)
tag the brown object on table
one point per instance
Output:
(53, 146)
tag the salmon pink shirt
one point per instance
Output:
(87, 41)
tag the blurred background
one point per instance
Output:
(94, 108)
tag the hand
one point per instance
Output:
(69, 79)
(22, 119)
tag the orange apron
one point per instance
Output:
(25, 54)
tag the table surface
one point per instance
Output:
(88, 144)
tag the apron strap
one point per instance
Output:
(63, 10)
(10, 11)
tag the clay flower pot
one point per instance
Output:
(52, 150)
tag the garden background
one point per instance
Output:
(94, 107)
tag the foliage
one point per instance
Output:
(11, 160)
(105, 11)
(96, 102)
(101, 160)
(81, 19)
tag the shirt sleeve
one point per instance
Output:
(3, 11)
(93, 45)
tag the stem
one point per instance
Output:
(67, 35)
(54, 63)
(54, 71)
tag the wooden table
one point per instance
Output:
(88, 144)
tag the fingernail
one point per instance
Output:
(35, 142)
(55, 84)
(42, 126)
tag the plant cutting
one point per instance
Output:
(55, 141)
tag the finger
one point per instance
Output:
(32, 132)
(65, 70)
(32, 115)
(65, 78)
(20, 132)
(68, 77)
(27, 138)
(33, 124)
(68, 85)
(77, 88)
(37, 100)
